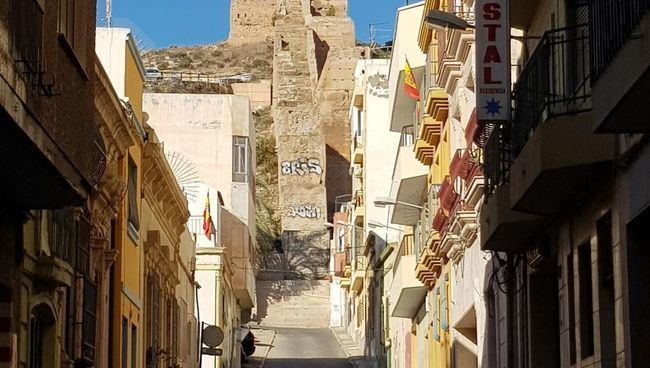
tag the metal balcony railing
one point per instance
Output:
(406, 139)
(611, 26)
(554, 82)
(497, 154)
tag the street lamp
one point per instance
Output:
(377, 224)
(443, 20)
(386, 201)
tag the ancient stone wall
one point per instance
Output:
(251, 21)
(313, 71)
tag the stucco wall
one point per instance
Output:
(201, 128)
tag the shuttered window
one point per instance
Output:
(444, 299)
(435, 313)
(134, 218)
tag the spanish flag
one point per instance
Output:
(207, 217)
(410, 87)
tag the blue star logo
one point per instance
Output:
(493, 107)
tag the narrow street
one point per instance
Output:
(298, 348)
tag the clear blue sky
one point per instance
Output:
(160, 23)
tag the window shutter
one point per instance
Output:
(444, 313)
(436, 315)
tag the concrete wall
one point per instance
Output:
(293, 303)
(201, 128)
(258, 93)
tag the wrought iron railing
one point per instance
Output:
(406, 139)
(554, 82)
(26, 26)
(497, 154)
(611, 25)
(99, 159)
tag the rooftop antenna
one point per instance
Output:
(108, 13)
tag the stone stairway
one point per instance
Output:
(293, 303)
(353, 351)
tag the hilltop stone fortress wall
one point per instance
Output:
(313, 72)
(251, 21)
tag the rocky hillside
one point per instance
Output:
(221, 60)
(267, 191)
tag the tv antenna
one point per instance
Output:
(108, 13)
(372, 33)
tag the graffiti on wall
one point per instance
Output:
(306, 211)
(301, 167)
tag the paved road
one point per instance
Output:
(305, 348)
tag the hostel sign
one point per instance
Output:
(492, 60)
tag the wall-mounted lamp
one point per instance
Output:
(386, 201)
(441, 20)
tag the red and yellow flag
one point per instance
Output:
(207, 217)
(410, 87)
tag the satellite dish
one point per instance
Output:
(212, 336)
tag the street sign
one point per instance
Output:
(492, 60)
(212, 336)
(211, 351)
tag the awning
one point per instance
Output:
(403, 106)
(411, 192)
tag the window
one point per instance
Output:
(62, 235)
(26, 21)
(341, 239)
(175, 318)
(444, 293)
(606, 293)
(406, 140)
(35, 343)
(134, 345)
(134, 223)
(359, 121)
(586, 303)
(435, 315)
(572, 307)
(240, 159)
(153, 320)
(125, 343)
(89, 321)
(73, 24)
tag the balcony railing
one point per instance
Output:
(554, 82)
(26, 24)
(497, 154)
(611, 25)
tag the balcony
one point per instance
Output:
(429, 267)
(358, 94)
(359, 207)
(357, 149)
(411, 179)
(358, 274)
(620, 64)
(406, 291)
(235, 240)
(502, 229)
(424, 151)
(552, 134)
